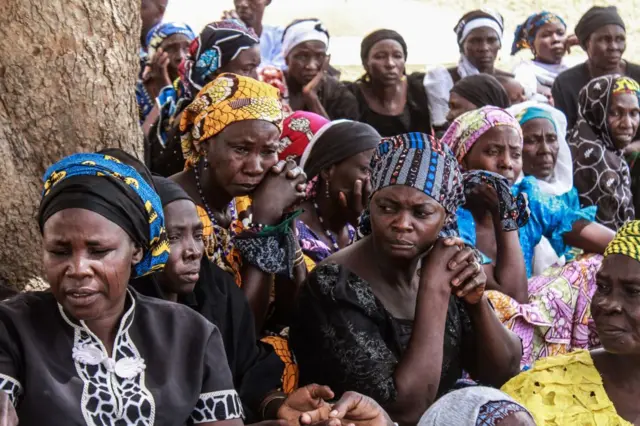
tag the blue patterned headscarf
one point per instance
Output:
(526, 33)
(105, 185)
(163, 31)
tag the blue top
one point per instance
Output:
(551, 217)
(271, 46)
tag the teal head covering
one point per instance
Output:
(533, 113)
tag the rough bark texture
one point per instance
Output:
(67, 75)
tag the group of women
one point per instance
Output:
(421, 260)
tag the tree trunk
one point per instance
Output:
(67, 75)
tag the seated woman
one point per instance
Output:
(306, 84)
(167, 45)
(476, 91)
(545, 35)
(609, 120)
(549, 312)
(602, 34)
(389, 100)
(102, 224)
(601, 387)
(479, 35)
(298, 130)
(386, 319)
(225, 46)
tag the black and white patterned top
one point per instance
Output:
(168, 366)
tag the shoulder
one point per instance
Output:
(27, 304)
(633, 70)
(273, 32)
(326, 277)
(168, 314)
(578, 71)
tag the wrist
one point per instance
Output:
(476, 308)
(271, 405)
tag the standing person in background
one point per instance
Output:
(602, 34)
(251, 12)
(389, 100)
(479, 34)
(151, 14)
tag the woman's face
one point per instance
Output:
(343, 176)
(548, 46)
(606, 46)
(184, 230)
(499, 151)
(458, 106)
(616, 305)
(241, 155)
(481, 48)
(405, 222)
(306, 60)
(177, 47)
(385, 63)
(246, 63)
(540, 149)
(623, 119)
(88, 261)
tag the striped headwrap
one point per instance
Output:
(163, 31)
(626, 241)
(526, 32)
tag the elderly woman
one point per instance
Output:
(479, 34)
(102, 224)
(505, 218)
(224, 46)
(602, 34)
(601, 386)
(545, 35)
(389, 100)
(399, 314)
(609, 120)
(474, 92)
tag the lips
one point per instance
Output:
(401, 244)
(81, 297)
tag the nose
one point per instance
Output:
(505, 162)
(625, 122)
(402, 223)
(194, 249)
(253, 166)
(609, 305)
(544, 148)
(78, 267)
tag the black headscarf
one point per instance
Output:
(369, 41)
(336, 142)
(596, 18)
(482, 90)
(169, 191)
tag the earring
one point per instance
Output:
(327, 194)
(366, 78)
(206, 163)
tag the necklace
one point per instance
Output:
(223, 238)
(334, 242)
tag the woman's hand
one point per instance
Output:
(8, 416)
(470, 282)
(354, 202)
(310, 91)
(156, 74)
(230, 14)
(484, 198)
(570, 42)
(352, 409)
(282, 188)
(311, 398)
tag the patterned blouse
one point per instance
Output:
(312, 246)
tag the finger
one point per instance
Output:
(301, 187)
(278, 167)
(348, 402)
(465, 255)
(320, 392)
(469, 287)
(368, 188)
(295, 172)
(357, 189)
(470, 271)
(454, 241)
(342, 200)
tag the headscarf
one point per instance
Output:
(336, 142)
(372, 39)
(476, 405)
(526, 32)
(227, 99)
(301, 31)
(218, 44)
(298, 130)
(169, 191)
(465, 131)
(596, 18)
(105, 185)
(626, 241)
(482, 90)
(601, 174)
(479, 19)
(163, 31)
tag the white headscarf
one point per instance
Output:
(303, 31)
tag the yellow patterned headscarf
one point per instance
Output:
(626, 242)
(625, 85)
(227, 99)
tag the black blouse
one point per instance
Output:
(343, 337)
(168, 366)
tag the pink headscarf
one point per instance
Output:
(297, 132)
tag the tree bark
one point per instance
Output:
(67, 75)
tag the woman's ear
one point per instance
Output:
(138, 253)
(327, 174)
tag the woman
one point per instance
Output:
(389, 100)
(476, 91)
(102, 224)
(298, 130)
(549, 312)
(602, 386)
(476, 405)
(337, 163)
(381, 318)
(545, 35)
(167, 45)
(602, 34)
(479, 34)
(609, 120)
(224, 46)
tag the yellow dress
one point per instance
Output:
(565, 390)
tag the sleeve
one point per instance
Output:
(218, 399)
(342, 103)
(10, 381)
(437, 84)
(467, 231)
(527, 78)
(336, 336)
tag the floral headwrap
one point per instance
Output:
(526, 33)
(298, 130)
(164, 30)
(626, 241)
(103, 184)
(226, 100)
(465, 131)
